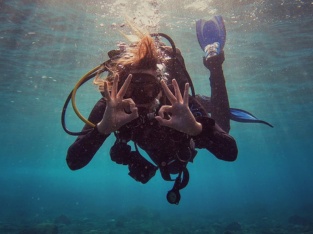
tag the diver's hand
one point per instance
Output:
(115, 116)
(180, 116)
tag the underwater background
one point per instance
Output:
(47, 45)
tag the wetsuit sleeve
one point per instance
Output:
(216, 140)
(85, 147)
(212, 136)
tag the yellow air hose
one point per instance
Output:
(78, 84)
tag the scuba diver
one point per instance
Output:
(146, 100)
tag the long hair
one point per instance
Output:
(143, 55)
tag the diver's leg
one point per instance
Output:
(219, 98)
(211, 36)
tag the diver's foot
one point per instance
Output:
(214, 62)
(212, 50)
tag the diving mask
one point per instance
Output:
(144, 88)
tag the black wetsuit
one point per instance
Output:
(163, 144)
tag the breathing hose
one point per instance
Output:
(71, 97)
(78, 84)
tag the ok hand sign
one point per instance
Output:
(115, 116)
(181, 118)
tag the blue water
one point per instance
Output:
(46, 46)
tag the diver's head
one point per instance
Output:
(142, 62)
(145, 61)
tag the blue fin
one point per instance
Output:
(210, 31)
(245, 117)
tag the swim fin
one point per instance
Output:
(245, 117)
(210, 31)
(236, 114)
